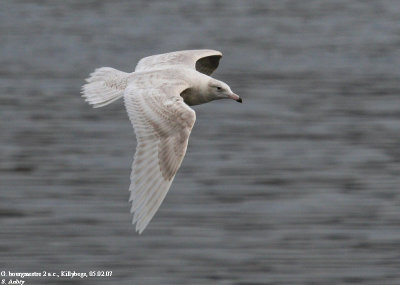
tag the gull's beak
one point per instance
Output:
(235, 97)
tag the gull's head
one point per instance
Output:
(220, 90)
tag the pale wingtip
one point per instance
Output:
(138, 229)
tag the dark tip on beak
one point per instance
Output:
(239, 100)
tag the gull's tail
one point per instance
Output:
(104, 86)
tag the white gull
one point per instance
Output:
(157, 98)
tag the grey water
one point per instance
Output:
(297, 185)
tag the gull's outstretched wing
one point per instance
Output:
(162, 123)
(204, 61)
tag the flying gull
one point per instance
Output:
(157, 97)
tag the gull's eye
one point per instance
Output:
(219, 88)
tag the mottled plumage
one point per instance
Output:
(157, 98)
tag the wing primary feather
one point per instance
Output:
(150, 203)
(138, 191)
(141, 207)
(154, 209)
(148, 191)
